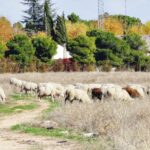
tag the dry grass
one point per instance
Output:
(120, 125)
(127, 125)
(121, 78)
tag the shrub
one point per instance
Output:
(135, 41)
(73, 18)
(82, 49)
(21, 49)
(45, 48)
(2, 49)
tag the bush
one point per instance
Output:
(21, 50)
(125, 124)
(82, 49)
(135, 41)
(73, 18)
(45, 48)
(2, 49)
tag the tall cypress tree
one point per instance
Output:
(48, 18)
(60, 30)
(34, 18)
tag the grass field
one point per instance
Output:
(119, 125)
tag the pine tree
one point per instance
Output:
(60, 30)
(48, 18)
(34, 18)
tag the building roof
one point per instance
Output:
(62, 53)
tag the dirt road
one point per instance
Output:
(10, 140)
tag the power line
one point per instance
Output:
(100, 14)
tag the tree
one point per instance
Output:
(48, 18)
(109, 47)
(21, 50)
(34, 18)
(146, 28)
(45, 48)
(3, 48)
(6, 31)
(82, 49)
(73, 18)
(60, 30)
(113, 25)
(76, 29)
(135, 41)
(18, 28)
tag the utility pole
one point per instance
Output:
(100, 14)
(125, 23)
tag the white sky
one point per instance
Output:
(86, 9)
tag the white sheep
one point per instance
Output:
(2, 95)
(29, 87)
(16, 82)
(77, 95)
(51, 91)
(115, 92)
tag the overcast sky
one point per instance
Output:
(86, 9)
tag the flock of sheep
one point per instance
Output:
(86, 93)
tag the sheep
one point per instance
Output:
(77, 95)
(97, 93)
(2, 95)
(16, 82)
(140, 89)
(115, 92)
(49, 91)
(29, 87)
(132, 92)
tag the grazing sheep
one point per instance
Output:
(97, 93)
(49, 91)
(2, 95)
(115, 92)
(76, 95)
(140, 89)
(132, 92)
(16, 82)
(29, 87)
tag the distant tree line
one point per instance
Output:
(30, 45)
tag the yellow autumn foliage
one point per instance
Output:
(137, 29)
(113, 25)
(6, 30)
(76, 29)
(146, 28)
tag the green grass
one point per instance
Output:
(52, 107)
(22, 96)
(9, 109)
(59, 133)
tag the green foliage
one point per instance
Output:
(139, 60)
(2, 49)
(48, 18)
(73, 18)
(135, 41)
(82, 49)
(9, 109)
(34, 16)
(45, 48)
(21, 49)
(127, 20)
(59, 133)
(60, 30)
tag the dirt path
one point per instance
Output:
(10, 140)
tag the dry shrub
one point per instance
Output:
(126, 124)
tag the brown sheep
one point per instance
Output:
(132, 92)
(97, 93)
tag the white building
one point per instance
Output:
(62, 53)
